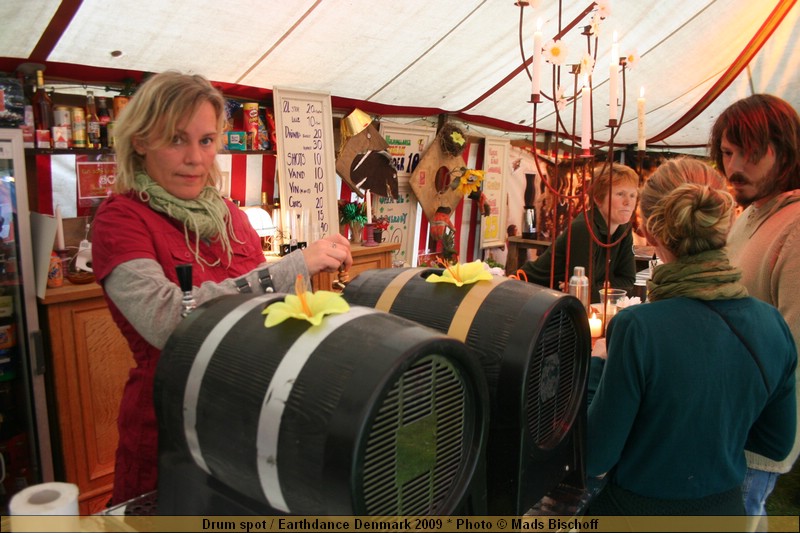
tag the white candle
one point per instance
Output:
(536, 77)
(595, 326)
(369, 207)
(640, 111)
(59, 230)
(586, 120)
(613, 80)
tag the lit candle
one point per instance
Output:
(640, 110)
(369, 207)
(586, 120)
(595, 326)
(536, 77)
(59, 230)
(613, 80)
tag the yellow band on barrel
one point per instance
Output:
(465, 314)
(393, 288)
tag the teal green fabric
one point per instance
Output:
(622, 270)
(680, 397)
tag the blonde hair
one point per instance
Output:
(153, 115)
(685, 206)
(618, 175)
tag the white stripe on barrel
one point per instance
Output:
(280, 387)
(198, 370)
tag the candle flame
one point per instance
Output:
(641, 91)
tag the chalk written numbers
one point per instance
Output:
(306, 174)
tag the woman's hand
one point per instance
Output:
(599, 348)
(328, 254)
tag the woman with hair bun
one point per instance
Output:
(695, 374)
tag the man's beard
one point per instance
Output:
(764, 188)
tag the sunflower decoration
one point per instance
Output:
(460, 275)
(466, 180)
(303, 305)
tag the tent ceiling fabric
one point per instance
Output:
(452, 56)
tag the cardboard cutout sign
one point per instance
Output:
(436, 161)
(365, 164)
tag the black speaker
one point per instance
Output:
(365, 414)
(534, 345)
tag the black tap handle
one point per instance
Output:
(184, 276)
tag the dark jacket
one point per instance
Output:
(622, 271)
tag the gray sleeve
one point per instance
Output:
(152, 303)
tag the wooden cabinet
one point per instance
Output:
(364, 258)
(90, 364)
(517, 252)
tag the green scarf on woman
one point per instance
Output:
(704, 276)
(206, 216)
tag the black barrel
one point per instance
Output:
(365, 414)
(534, 345)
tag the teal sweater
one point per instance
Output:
(680, 397)
(622, 271)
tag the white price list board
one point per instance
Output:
(306, 163)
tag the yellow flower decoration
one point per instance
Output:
(458, 138)
(470, 181)
(305, 306)
(461, 275)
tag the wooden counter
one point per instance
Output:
(90, 364)
(364, 258)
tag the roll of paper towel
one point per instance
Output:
(45, 499)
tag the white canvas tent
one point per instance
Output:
(420, 58)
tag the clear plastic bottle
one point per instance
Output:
(579, 286)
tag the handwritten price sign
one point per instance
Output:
(306, 163)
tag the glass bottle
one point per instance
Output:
(92, 122)
(104, 117)
(42, 112)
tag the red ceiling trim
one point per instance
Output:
(740, 63)
(55, 29)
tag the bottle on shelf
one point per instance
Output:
(92, 122)
(78, 127)
(104, 116)
(579, 286)
(42, 113)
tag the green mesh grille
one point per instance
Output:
(418, 442)
(551, 385)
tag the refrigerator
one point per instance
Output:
(25, 449)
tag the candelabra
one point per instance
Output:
(581, 161)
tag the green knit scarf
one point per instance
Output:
(704, 276)
(206, 216)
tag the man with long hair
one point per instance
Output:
(756, 143)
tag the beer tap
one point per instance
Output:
(185, 281)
